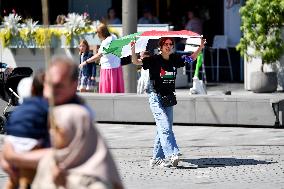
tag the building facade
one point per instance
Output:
(219, 17)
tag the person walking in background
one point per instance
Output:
(193, 24)
(79, 153)
(144, 80)
(163, 70)
(87, 74)
(111, 77)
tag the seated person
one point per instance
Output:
(148, 18)
(112, 17)
(193, 24)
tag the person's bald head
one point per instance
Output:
(62, 76)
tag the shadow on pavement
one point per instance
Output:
(218, 162)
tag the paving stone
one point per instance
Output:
(213, 157)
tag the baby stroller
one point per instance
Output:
(9, 80)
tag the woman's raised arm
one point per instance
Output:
(134, 58)
(93, 58)
(195, 54)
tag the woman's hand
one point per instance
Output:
(82, 64)
(132, 45)
(133, 54)
(195, 54)
(7, 167)
(202, 44)
(59, 176)
(8, 152)
(93, 78)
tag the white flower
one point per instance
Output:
(74, 22)
(12, 23)
(30, 25)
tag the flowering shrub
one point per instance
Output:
(12, 25)
(76, 25)
(29, 32)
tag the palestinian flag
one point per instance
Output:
(121, 47)
(166, 74)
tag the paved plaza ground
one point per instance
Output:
(213, 157)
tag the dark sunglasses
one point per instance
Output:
(168, 44)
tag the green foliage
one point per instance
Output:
(262, 22)
(6, 37)
(77, 32)
(41, 36)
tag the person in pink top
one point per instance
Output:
(111, 76)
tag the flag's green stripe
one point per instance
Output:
(168, 76)
(116, 46)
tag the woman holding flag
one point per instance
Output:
(163, 70)
(111, 77)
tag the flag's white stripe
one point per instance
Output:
(142, 41)
(158, 37)
(140, 46)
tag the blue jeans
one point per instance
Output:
(165, 143)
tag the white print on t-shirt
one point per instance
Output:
(168, 76)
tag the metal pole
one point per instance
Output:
(47, 54)
(129, 25)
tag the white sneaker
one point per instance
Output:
(174, 160)
(158, 163)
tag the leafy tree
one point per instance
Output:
(262, 24)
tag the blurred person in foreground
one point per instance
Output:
(27, 131)
(79, 157)
(60, 81)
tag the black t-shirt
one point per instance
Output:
(163, 72)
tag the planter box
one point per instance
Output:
(263, 82)
(92, 39)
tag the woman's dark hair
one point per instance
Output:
(37, 85)
(85, 42)
(163, 40)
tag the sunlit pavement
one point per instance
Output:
(213, 157)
